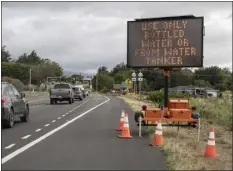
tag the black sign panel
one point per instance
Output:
(173, 42)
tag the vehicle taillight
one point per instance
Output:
(3, 99)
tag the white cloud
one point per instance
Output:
(84, 35)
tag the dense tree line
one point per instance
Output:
(19, 68)
(213, 77)
(41, 68)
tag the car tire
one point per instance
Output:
(70, 101)
(81, 99)
(10, 122)
(51, 101)
(55, 101)
(25, 118)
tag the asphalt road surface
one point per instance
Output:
(79, 136)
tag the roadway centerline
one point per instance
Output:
(38, 130)
(25, 137)
(10, 146)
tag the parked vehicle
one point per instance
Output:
(197, 91)
(61, 92)
(14, 105)
(78, 94)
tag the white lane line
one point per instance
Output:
(67, 113)
(25, 137)
(47, 125)
(35, 106)
(63, 115)
(59, 118)
(54, 121)
(24, 148)
(38, 130)
(9, 146)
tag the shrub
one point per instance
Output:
(158, 96)
(216, 110)
(17, 83)
(16, 70)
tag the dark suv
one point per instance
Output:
(14, 105)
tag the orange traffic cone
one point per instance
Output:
(158, 135)
(210, 150)
(121, 124)
(125, 131)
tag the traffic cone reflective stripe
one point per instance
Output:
(123, 114)
(159, 132)
(121, 123)
(125, 131)
(210, 150)
(158, 135)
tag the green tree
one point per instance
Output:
(32, 58)
(77, 77)
(183, 77)
(103, 82)
(40, 72)
(16, 70)
(202, 83)
(103, 70)
(217, 77)
(6, 57)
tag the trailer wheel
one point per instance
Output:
(137, 115)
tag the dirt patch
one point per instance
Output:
(181, 148)
(136, 102)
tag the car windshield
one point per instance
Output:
(60, 86)
(76, 89)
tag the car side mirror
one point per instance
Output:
(23, 95)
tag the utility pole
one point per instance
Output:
(30, 79)
(96, 81)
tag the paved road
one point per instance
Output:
(77, 136)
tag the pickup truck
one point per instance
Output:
(61, 92)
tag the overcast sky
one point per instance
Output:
(81, 36)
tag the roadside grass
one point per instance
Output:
(181, 148)
(35, 93)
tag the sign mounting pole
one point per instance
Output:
(134, 81)
(166, 73)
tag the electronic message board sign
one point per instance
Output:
(165, 42)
